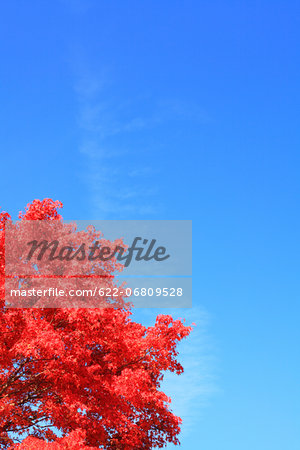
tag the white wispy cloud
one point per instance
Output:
(115, 169)
(115, 189)
(192, 391)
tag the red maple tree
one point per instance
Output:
(83, 377)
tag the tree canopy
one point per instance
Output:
(83, 377)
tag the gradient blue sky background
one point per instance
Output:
(177, 110)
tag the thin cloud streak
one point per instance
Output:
(114, 176)
(105, 174)
(192, 391)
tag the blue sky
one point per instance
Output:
(177, 110)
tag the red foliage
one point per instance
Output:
(42, 210)
(73, 441)
(90, 376)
